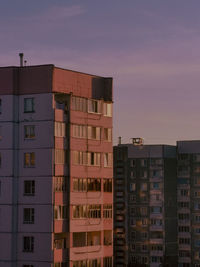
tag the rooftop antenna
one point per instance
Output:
(21, 55)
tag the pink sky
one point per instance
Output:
(150, 48)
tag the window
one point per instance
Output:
(107, 237)
(184, 241)
(83, 239)
(28, 105)
(60, 184)
(157, 222)
(156, 209)
(107, 185)
(59, 242)
(183, 204)
(59, 156)
(94, 211)
(143, 211)
(59, 130)
(107, 211)
(29, 159)
(79, 104)
(79, 131)
(107, 109)
(143, 162)
(94, 106)
(94, 132)
(184, 229)
(86, 263)
(87, 158)
(79, 211)
(197, 193)
(29, 188)
(93, 184)
(155, 186)
(143, 186)
(60, 212)
(156, 247)
(183, 216)
(29, 131)
(29, 215)
(107, 262)
(184, 192)
(132, 163)
(196, 205)
(0, 106)
(156, 173)
(132, 187)
(61, 264)
(143, 174)
(108, 134)
(107, 159)
(80, 184)
(28, 243)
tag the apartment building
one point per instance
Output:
(188, 197)
(145, 222)
(56, 199)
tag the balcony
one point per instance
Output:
(156, 227)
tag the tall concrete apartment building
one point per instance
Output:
(188, 196)
(56, 172)
(145, 224)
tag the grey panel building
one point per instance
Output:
(188, 196)
(145, 222)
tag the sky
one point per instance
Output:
(151, 48)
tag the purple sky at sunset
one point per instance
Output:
(150, 47)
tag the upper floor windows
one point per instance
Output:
(107, 109)
(94, 106)
(29, 131)
(107, 159)
(29, 159)
(91, 132)
(86, 158)
(29, 105)
(91, 106)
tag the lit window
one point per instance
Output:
(94, 132)
(29, 159)
(28, 244)
(107, 109)
(108, 134)
(107, 159)
(28, 105)
(29, 131)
